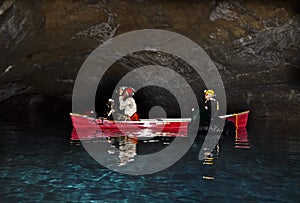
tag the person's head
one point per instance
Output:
(129, 91)
(126, 92)
(209, 94)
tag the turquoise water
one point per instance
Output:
(40, 164)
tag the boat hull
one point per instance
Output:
(87, 128)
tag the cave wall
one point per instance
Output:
(254, 44)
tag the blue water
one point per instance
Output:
(40, 164)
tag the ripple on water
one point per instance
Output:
(34, 167)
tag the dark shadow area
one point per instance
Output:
(147, 97)
(36, 110)
(151, 96)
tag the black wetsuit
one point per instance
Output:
(211, 107)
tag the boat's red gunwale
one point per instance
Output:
(89, 126)
(239, 119)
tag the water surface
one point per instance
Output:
(40, 164)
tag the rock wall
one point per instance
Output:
(254, 44)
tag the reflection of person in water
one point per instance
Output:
(127, 150)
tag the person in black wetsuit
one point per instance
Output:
(211, 105)
(207, 112)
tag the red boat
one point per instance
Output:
(239, 119)
(85, 127)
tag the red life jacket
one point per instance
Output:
(134, 117)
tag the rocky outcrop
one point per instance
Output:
(254, 44)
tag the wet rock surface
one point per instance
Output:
(254, 44)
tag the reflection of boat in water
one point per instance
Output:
(241, 136)
(241, 139)
(239, 119)
(85, 127)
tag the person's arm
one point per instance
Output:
(111, 112)
(122, 103)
